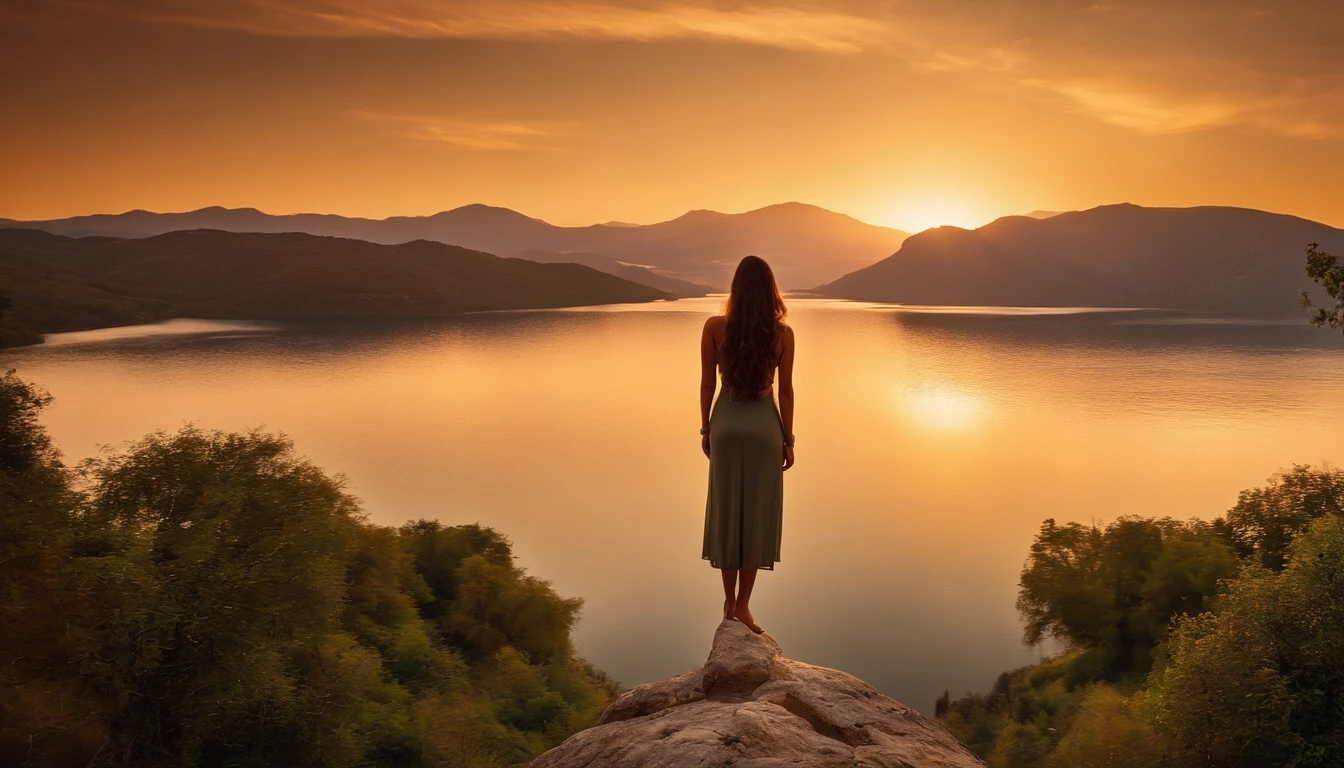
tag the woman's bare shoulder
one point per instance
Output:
(715, 323)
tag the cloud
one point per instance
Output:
(765, 24)
(1157, 113)
(1141, 111)
(1155, 67)
(462, 133)
(942, 61)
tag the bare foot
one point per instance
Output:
(743, 615)
(728, 609)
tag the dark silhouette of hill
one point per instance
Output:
(61, 283)
(807, 245)
(45, 300)
(1125, 255)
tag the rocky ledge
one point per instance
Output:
(749, 706)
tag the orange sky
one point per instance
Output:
(907, 113)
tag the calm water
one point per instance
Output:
(931, 445)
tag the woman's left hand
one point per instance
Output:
(788, 456)
(704, 445)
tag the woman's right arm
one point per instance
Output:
(707, 381)
(786, 394)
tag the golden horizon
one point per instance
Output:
(921, 115)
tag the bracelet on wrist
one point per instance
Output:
(704, 431)
(788, 441)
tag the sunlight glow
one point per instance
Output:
(923, 213)
(944, 409)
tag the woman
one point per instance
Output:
(747, 438)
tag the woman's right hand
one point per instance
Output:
(788, 456)
(704, 445)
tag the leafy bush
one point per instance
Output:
(1189, 644)
(205, 598)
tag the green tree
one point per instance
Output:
(1259, 682)
(1020, 745)
(482, 600)
(48, 714)
(1061, 593)
(1265, 520)
(1109, 731)
(461, 731)
(437, 551)
(1327, 272)
(242, 549)
(1183, 579)
(514, 631)
(1113, 590)
(1192, 644)
(205, 599)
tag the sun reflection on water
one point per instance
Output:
(943, 408)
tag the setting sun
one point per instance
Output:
(919, 214)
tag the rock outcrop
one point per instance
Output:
(750, 706)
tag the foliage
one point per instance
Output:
(1039, 696)
(1109, 731)
(1325, 269)
(1020, 745)
(1260, 681)
(42, 705)
(1265, 520)
(1189, 644)
(1113, 590)
(205, 598)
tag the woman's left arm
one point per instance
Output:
(786, 394)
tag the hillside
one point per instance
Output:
(807, 245)
(61, 283)
(1209, 258)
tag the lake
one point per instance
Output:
(932, 443)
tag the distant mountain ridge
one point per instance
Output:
(60, 283)
(805, 244)
(1205, 258)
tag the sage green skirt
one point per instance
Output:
(745, 509)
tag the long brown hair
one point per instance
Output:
(755, 314)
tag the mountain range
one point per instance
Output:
(805, 244)
(61, 283)
(1202, 258)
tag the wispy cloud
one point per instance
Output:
(1132, 108)
(1154, 67)
(766, 24)
(942, 61)
(474, 134)
(1157, 112)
